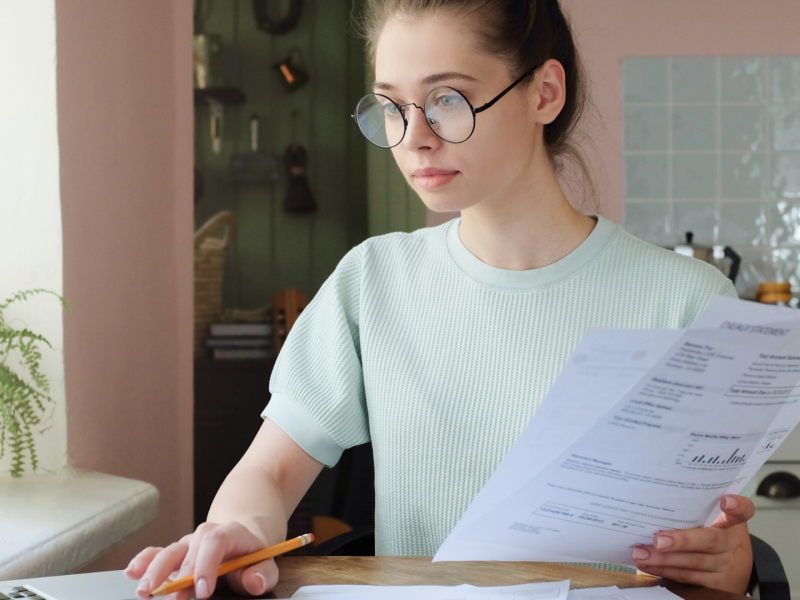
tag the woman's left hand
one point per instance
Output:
(718, 556)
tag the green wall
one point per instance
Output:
(275, 249)
(359, 190)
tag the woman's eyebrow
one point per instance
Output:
(429, 80)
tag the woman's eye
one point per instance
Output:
(449, 100)
(391, 110)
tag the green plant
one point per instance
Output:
(22, 394)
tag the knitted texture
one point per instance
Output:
(441, 360)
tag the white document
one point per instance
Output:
(655, 592)
(614, 593)
(376, 592)
(643, 431)
(740, 315)
(551, 590)
(598, 593)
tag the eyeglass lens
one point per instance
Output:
(447, 111)
(449, 114)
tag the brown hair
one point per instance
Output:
(524, 33)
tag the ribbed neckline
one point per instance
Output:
(532, 278)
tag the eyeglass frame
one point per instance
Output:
(474, 111)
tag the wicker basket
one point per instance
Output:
(209, 266)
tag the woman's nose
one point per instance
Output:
(419, 135)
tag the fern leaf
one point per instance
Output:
(22, 395)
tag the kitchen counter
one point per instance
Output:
(53, 524)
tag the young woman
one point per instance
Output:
(438, 345)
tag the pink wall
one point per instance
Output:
(609, 30)
(125, 133)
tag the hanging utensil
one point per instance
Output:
(255, 166)
(291, 75)
(207, 59)
(298, 194)
(217, 111)
(277, 26)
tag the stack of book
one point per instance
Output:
(240, 340)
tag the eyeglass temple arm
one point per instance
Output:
(489, 104)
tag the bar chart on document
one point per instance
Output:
(714, 450)
(707, 451)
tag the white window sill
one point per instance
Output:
(55, 524)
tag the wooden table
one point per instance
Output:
(298, 571)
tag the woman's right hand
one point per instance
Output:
(200, 554)
(248, 514)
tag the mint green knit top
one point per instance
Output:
(440, 360)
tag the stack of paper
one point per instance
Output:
(555, 590)
(614, 593)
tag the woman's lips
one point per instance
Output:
(434, 178)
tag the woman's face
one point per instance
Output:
(413, 57)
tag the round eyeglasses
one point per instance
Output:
(447, 112)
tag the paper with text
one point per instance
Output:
(550, 590)
(644, 430)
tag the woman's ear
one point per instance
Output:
(550, 91)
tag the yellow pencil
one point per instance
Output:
(238, 563)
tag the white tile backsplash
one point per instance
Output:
(743, 175)
(646, 176)
(743, 223)
(698, 217)
(694, 176)
(742, 79)
(694, 79)
(694, 128)
(645, 79)
(785, 223)
(712, 146)
(742, 128)
(646, 128)
(649, 221)
(785, 126)
(785, 79)
(785, 176)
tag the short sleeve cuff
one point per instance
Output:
(299, 425)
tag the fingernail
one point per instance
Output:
(729, 503)
(201, 588)
(641, 553)
(663, 542)
(144, 586)
(263, 583)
